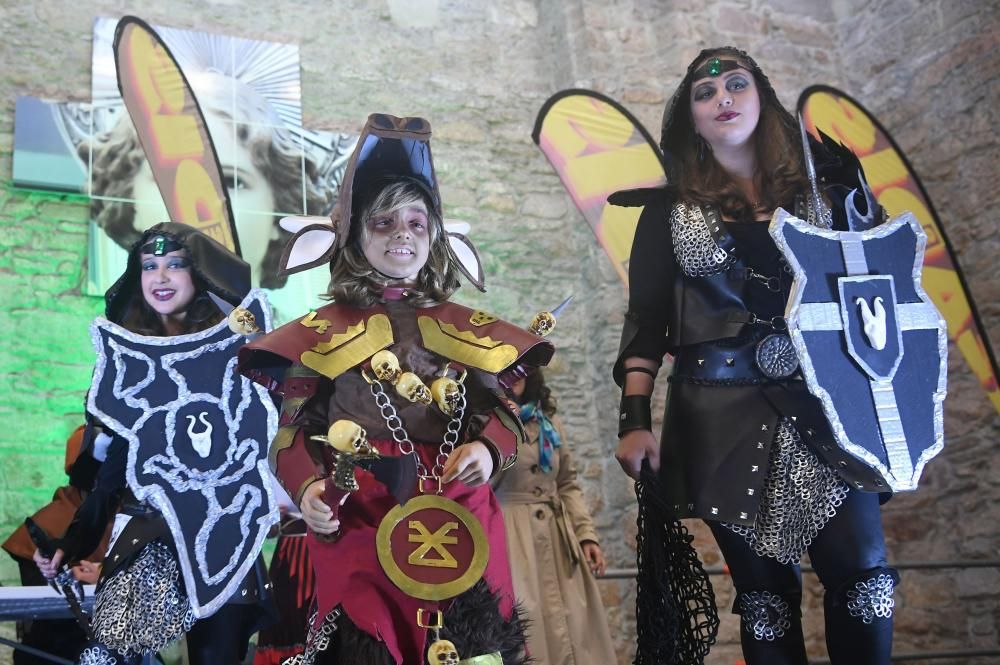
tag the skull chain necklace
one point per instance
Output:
(402, 438)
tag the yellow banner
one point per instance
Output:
(897, 188)
(173, 133)
(599, 148)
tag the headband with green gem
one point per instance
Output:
(161, 245)
(715, 67)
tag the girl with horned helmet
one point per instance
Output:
(744, 446)
(394, 418)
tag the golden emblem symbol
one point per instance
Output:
(432, 541)
(432, 548)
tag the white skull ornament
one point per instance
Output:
(412, 388)
(542, 324)
(347, 436)
(442, 652)
(385, 365)
(243, 322)
(446, 394)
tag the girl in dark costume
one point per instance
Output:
(742, 448)
(141, 605)
(361, 363)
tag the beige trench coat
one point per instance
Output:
(546, 520)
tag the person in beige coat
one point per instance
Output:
(553, 547)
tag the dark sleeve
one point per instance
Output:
(294, 459)
(91, 520)
(83, 472)
(494, 420)
(651, 273)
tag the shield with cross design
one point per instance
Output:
(198, 435)
(872, 347)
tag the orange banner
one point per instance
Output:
(173, 133)
(897, 188)
(598, 148)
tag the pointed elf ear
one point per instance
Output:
(467, 259)
(312, 244)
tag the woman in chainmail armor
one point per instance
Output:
(744, 446)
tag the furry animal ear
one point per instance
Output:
(466, 259)
(312, 243)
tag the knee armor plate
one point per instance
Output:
(872, 598)
(767, 615)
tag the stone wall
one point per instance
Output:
(480, 71)
(928, 73)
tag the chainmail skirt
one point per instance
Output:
(800, 495)
(143, 607)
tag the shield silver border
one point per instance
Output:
(827, 316)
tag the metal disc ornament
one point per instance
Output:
(432, 548)
(776, 357)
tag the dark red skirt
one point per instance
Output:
(348, 573)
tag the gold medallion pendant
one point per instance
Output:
(432, 548)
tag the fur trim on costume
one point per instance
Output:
(473, 623)
(353, 645)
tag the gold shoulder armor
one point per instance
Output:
(349, 348)
(465, 347)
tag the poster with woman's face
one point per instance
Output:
(249, 92)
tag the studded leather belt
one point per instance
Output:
(717, 364)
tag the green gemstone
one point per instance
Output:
(714, 67)
(159, 246)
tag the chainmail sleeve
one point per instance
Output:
(91, 519)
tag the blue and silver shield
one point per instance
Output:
(872, 346)
(198, 435)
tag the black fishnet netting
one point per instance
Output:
(676, 615)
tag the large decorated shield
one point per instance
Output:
(198, 435)
(872, 346)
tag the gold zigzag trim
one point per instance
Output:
(350, 348)
(465, 347)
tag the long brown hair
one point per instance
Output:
(354, 281)
(142, 319)
(535, 390)
(700, 179)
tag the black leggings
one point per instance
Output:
(849, 551)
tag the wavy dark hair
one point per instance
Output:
(535, 390)
(355, 282)
(780, 174)
(142, 319)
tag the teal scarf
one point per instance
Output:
(548, 437)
